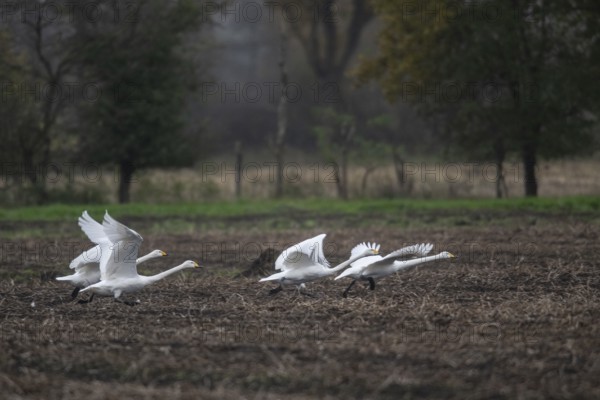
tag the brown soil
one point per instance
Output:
(514, 316)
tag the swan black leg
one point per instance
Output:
(276, 290)
(371, 283)
(345, 294)
(74, 293)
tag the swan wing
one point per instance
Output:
(365, 261)
(306, 273)
(91, 269)
(120, 260)
(93, 229)
(318, 253)
(362, 247)
(280, 262)
(358, 266)
(353, 271)
(406, 264)
(312, 248)
(296, 260)
(90, 256)
(91, 273)
(117, 232)
(416, 250)
(274, 277)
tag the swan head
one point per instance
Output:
(158, 253)
(371, 252)
(446, 254)
(190, 264)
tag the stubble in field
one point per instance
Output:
(514, 316)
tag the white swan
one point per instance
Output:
(87, 264)
(377, 267)
(305, 262)
(118, 272)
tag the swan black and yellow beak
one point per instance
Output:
(451, 255)
(196, 265)
(375, 251)
(162, 253)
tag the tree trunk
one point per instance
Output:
(29, 168)
(347, 133)
(41, 187)
(35, 174)
(126, 170)
(399, 168)
(279, 160)
(529, 164)
(365, 180)
(500, 184)
(282, 120)
(344, 175)
(500, 153)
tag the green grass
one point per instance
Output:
(60, 212)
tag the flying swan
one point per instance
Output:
(87, 264)
(377, 267)
(118, 272)
(305, 262)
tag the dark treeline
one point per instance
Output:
(147, 83)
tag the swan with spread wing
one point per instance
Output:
(306, 262)
(86, 266)
(118, 272)
(377, 267)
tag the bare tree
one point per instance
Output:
(50, 57)
(329, 34)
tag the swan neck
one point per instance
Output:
(417, 261)
(164, 274)
(145, 258)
